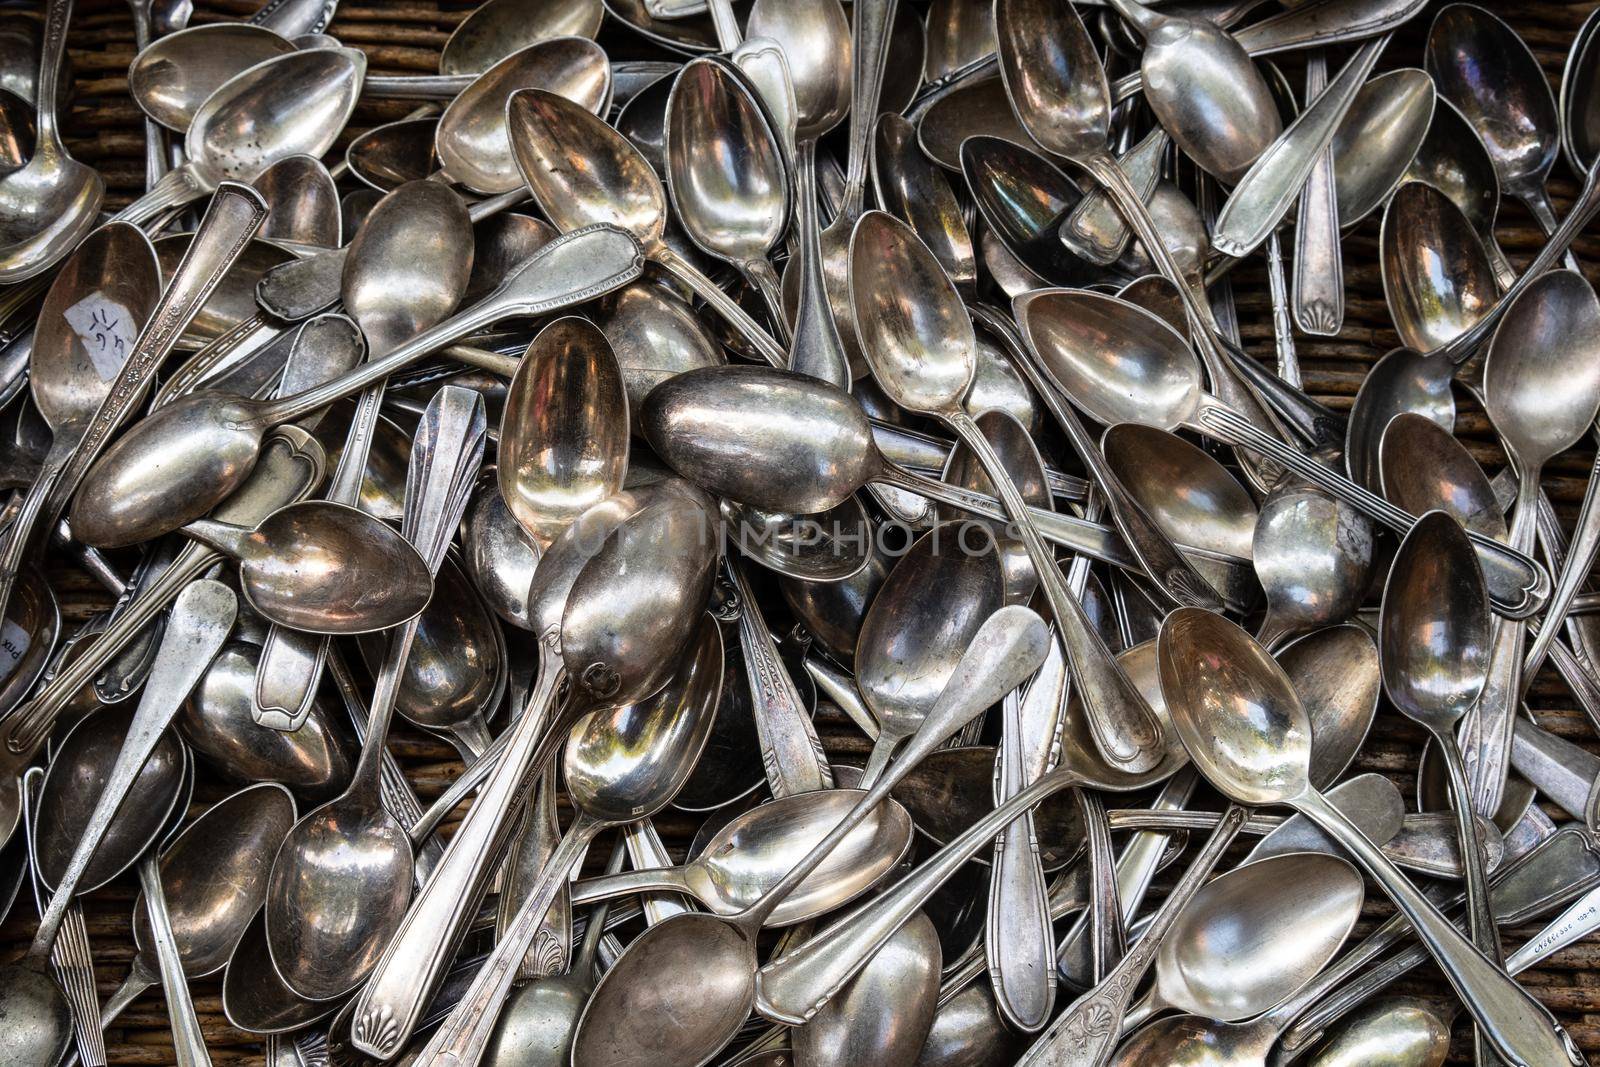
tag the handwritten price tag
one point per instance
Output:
(13, 646)
(107, 330)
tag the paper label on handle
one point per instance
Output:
(107, 330)
(14, 644)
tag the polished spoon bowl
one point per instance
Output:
(172, 76)
(289, 105)
(915, 333)
(1435, 641)
(737, 214)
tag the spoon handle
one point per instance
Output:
(200, 622)
(817, 348)
(1519, 1027)
(188, 1044)
(52, 52)
(735, 316)
(1318, 286)
(1262, 197)
(1019, 942)
(1125, 728)
(791, 753)
(1086, 1034)
(1581, 555)
(1517, 585)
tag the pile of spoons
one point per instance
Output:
(798, 470)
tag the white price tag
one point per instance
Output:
(107, 329)
(13, 646)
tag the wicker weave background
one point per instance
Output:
(404, 36)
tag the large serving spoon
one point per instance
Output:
(342, 879)
(737, 214)
(97, 305)
(1119, 363)
(1541, 390)
(208, 441)
(49, 204)
(1246, 730)
(582, 172)
(1514, 112)
(615, 619)
(648, 985)
(621, 764)
(172, 76)
(1435, 645)
(293, 104)
(914, 332)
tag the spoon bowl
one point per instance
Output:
(472, 138)
(1437, 279)
(1376, 145)
(175, 74)
(497, 28)
(302, 204)
(564, 431)
(1424, 467)
(312, 761)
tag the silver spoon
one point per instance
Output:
(319, 946)
(1539, 393)
(722, 985)
(125, 500)
(1313, 555)
(312, 760)
(302, 204)
(407, 269)
(736, 214)
(913, 189)
(582, 171)
(95, 308)
(1452, 159)
(1514, 113)
(752, 853)
(884, 1013)
(495, 29)
(52, 202)
(823, 69)
(1435, 645)
(200, 621)
(471, 137)
(924, 359)
(614, 642)
(564, 430)
(1247, 733)
(172, 76)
